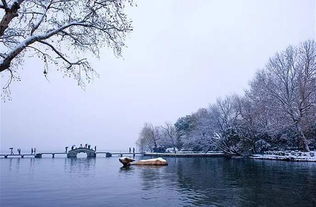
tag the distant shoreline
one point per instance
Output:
(293, 156)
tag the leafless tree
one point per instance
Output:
(60, 32)
(149, 137)
(169, 131)
(289, 78)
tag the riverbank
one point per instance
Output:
(186, 154)
(295, 156)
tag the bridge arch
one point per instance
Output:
(73, 153)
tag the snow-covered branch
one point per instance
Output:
(83, 25)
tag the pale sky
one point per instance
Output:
(181, 56)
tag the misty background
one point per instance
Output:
(181, 56)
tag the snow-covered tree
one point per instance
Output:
(289, 84)
(226, 116)
(202, 136)
(60, 32)
(150, 138)
(277, 111)
(169, 134)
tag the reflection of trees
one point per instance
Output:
(203, 181)
(275, 183)
(235, 182)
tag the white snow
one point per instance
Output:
(297, 156)
(154, 159)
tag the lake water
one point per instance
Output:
(184, 182)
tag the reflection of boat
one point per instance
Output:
(126, 161)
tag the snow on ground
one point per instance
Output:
(297, 156)
(154, 159)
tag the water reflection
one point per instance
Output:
(80, 166)
(14, 164)
(152, 176)
(184, 182)
(125, 168)
(205, 181)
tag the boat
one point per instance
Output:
(127, 161)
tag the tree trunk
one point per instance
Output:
(303, 140)
(10, 13)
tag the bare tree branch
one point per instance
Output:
(83, 25)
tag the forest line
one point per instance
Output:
(277, 112)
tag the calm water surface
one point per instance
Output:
(184, 182)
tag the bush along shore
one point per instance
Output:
(297, 156)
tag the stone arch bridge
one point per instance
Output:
(73, 153)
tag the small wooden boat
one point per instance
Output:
(126, 161)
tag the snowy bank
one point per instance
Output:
(296, 156)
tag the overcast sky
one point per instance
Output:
(182, 55)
